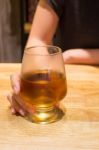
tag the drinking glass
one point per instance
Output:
(43, 83)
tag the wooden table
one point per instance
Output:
(78, 130)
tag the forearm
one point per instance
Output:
(44, 25)
(82, 56)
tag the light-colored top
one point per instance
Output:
(79, 128)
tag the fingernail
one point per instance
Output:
(22, 112)
(16, 89)
(13, 111)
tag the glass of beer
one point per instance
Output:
(43, 83)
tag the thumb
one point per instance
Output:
(15, 83)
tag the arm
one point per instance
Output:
(44, 25)
(43, 28)
(81, 56)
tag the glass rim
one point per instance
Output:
(26, 51)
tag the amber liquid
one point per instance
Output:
(43, 88)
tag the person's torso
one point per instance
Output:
(79, 24)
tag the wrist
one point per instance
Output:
(34, 42)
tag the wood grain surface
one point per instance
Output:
(77, 130)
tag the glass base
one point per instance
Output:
(46, 116)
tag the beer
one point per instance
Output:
(43, 88)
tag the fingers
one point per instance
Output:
(27, 107)
(15, 83)
(19, 109)
(9, 97)
(15, 107)
(18, 106)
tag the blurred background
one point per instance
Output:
(15, 23)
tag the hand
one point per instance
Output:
(81, 56)
(17, 104)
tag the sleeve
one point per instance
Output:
(57, 6)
